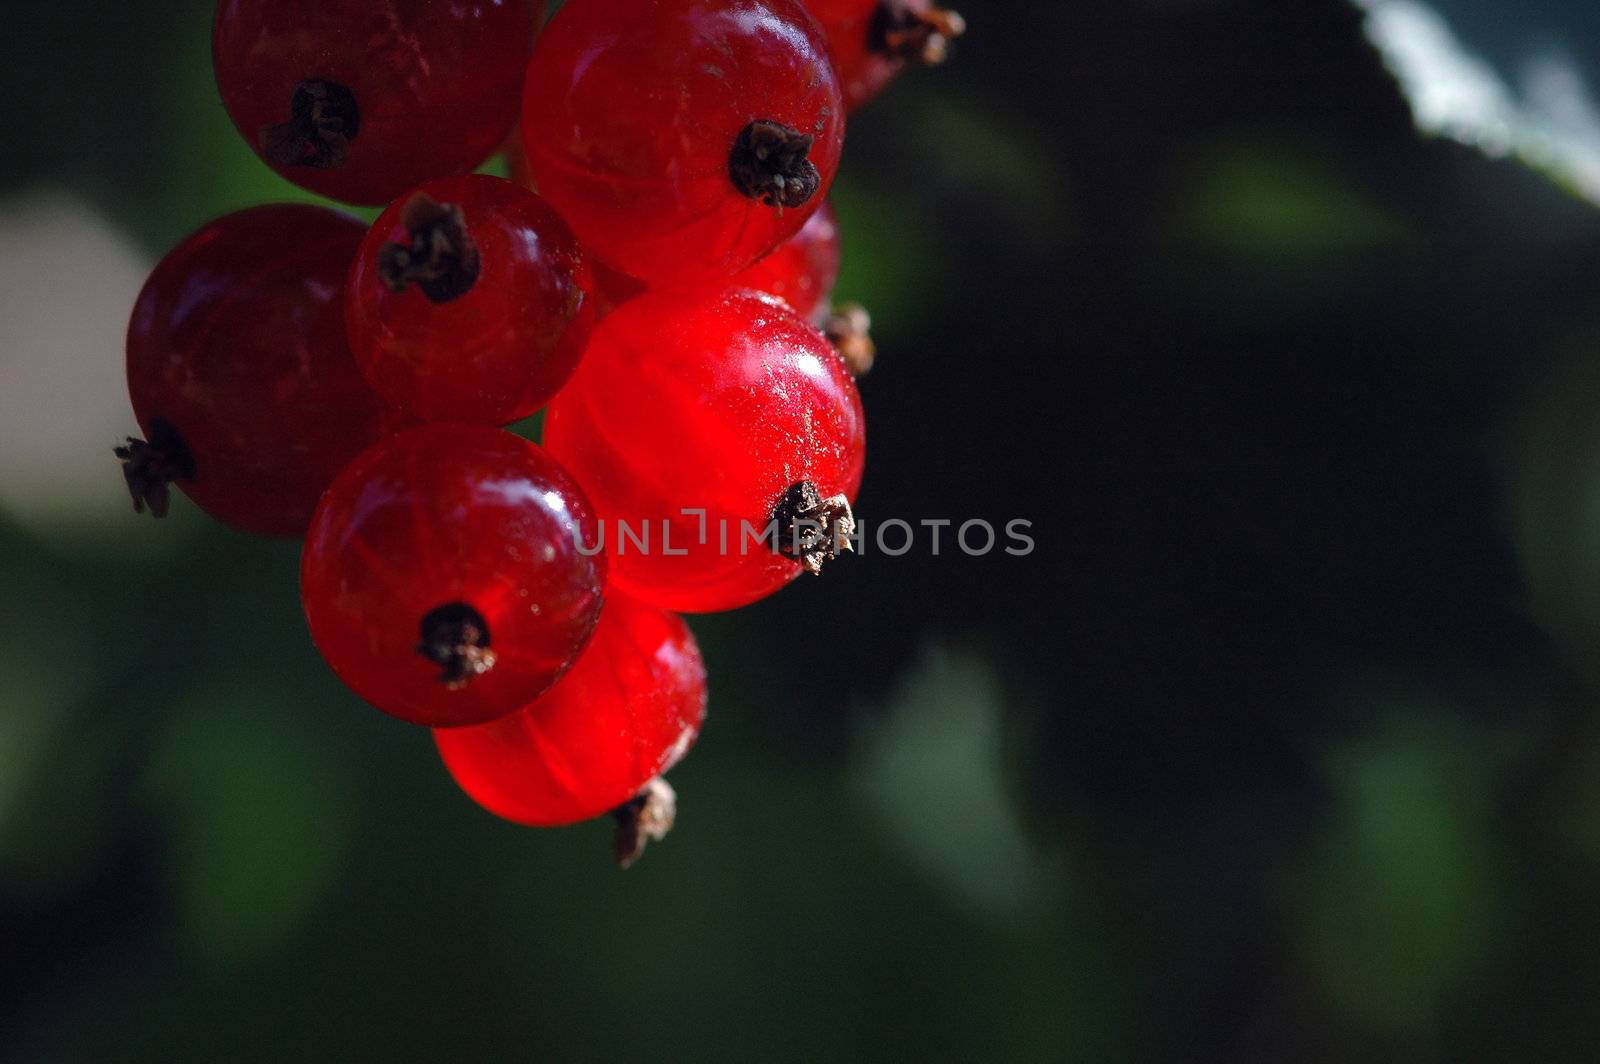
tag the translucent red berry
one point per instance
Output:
(469, 302)
(682, 139)
(443, 578)
(731, 405)
(361, 100)
(628, 710)
(802, 270)
(871, 40)
(239, 372)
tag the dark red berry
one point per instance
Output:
(871, 40)
(682, 139)
(729, 404)
(361, 100)
(240, 375)
(468, 302)
(628, 710)
(442, 575)
(802, 270)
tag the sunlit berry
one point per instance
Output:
(628, 710)
(731, 405)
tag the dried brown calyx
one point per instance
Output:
(812, 530)
(644, 818)
(849, 330)
(323, 119)
(916, 35)
(768, 163)
(455, 637)
(150, 466)
(441, 259)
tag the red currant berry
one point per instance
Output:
(362, 99)
(682, 139)
(871, 40)
(728, 404)
(239, 372)
(442, 575)
(628, 710)
(802, 270)
(468, 302)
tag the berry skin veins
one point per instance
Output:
(239, 372)
(628, 710)
(682, 139)
(469, 301)
(441, 576)
(360, 100)
(754, 401)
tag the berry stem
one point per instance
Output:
(768, 163)
(149, 467)
(645, 817)
(323, 120)
(812, 530)
(455, 637)
(441, 259)
(849, 330)
(901, 32)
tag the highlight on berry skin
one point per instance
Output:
(241, 379)
(669, 203)
(767, 428)
(600, 740)
(657, 278)
(441, 577)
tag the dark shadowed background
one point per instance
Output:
(1281, 746)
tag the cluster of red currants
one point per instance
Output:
(663, 296)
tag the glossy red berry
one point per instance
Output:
(729, 404)
(802, 270)
(239, 372)
(361, 100)
(682, 139)
(469, 302)
(870, 41)
(442, 575)
(628, 710)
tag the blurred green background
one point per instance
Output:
(1283, 745)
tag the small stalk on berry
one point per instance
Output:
(151, 466)
(900, 31)
(646, 817)
(323, 120)
(441, 259)
(849, 330)
(455, 637)
(812, 530)
(768, 163)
